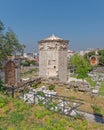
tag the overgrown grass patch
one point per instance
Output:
(51, 87)
(20, 105)
(28, 73)
(101, 90)
(16, 117)
(91, 82)
(97, 109)
(35, 85)
(23, 116)
(3, 101)
(41, 114)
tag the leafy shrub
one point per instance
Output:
(51, 87)
(3, 102)
(40, 102)
(40, 93)
(33, 62)
(96, 109)
(25, 62)
(51, 106)
(35, 85)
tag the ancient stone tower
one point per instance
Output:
(53, 58)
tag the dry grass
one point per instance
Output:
(88, 100)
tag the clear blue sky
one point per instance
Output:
(80, 21)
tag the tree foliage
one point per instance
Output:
(101, 57)
(1, 86)
(91, 53)
(9, 43)
(1, 26)
(82, 65)
(27, 62)
(101, 52)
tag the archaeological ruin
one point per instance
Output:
(10, 73)
(53, 58)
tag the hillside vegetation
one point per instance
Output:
(15, 114)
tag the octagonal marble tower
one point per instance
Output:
(53, 58)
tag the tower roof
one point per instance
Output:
(53, 37)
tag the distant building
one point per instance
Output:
(81, 53)
(53, 58)
(70, 53)
(29, 55)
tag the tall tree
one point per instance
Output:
(9, 43)
(1, 42)
(1, 26)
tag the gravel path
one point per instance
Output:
(92, 117)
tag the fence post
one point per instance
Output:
(12, 88)
(34, 98)
(63, 104)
